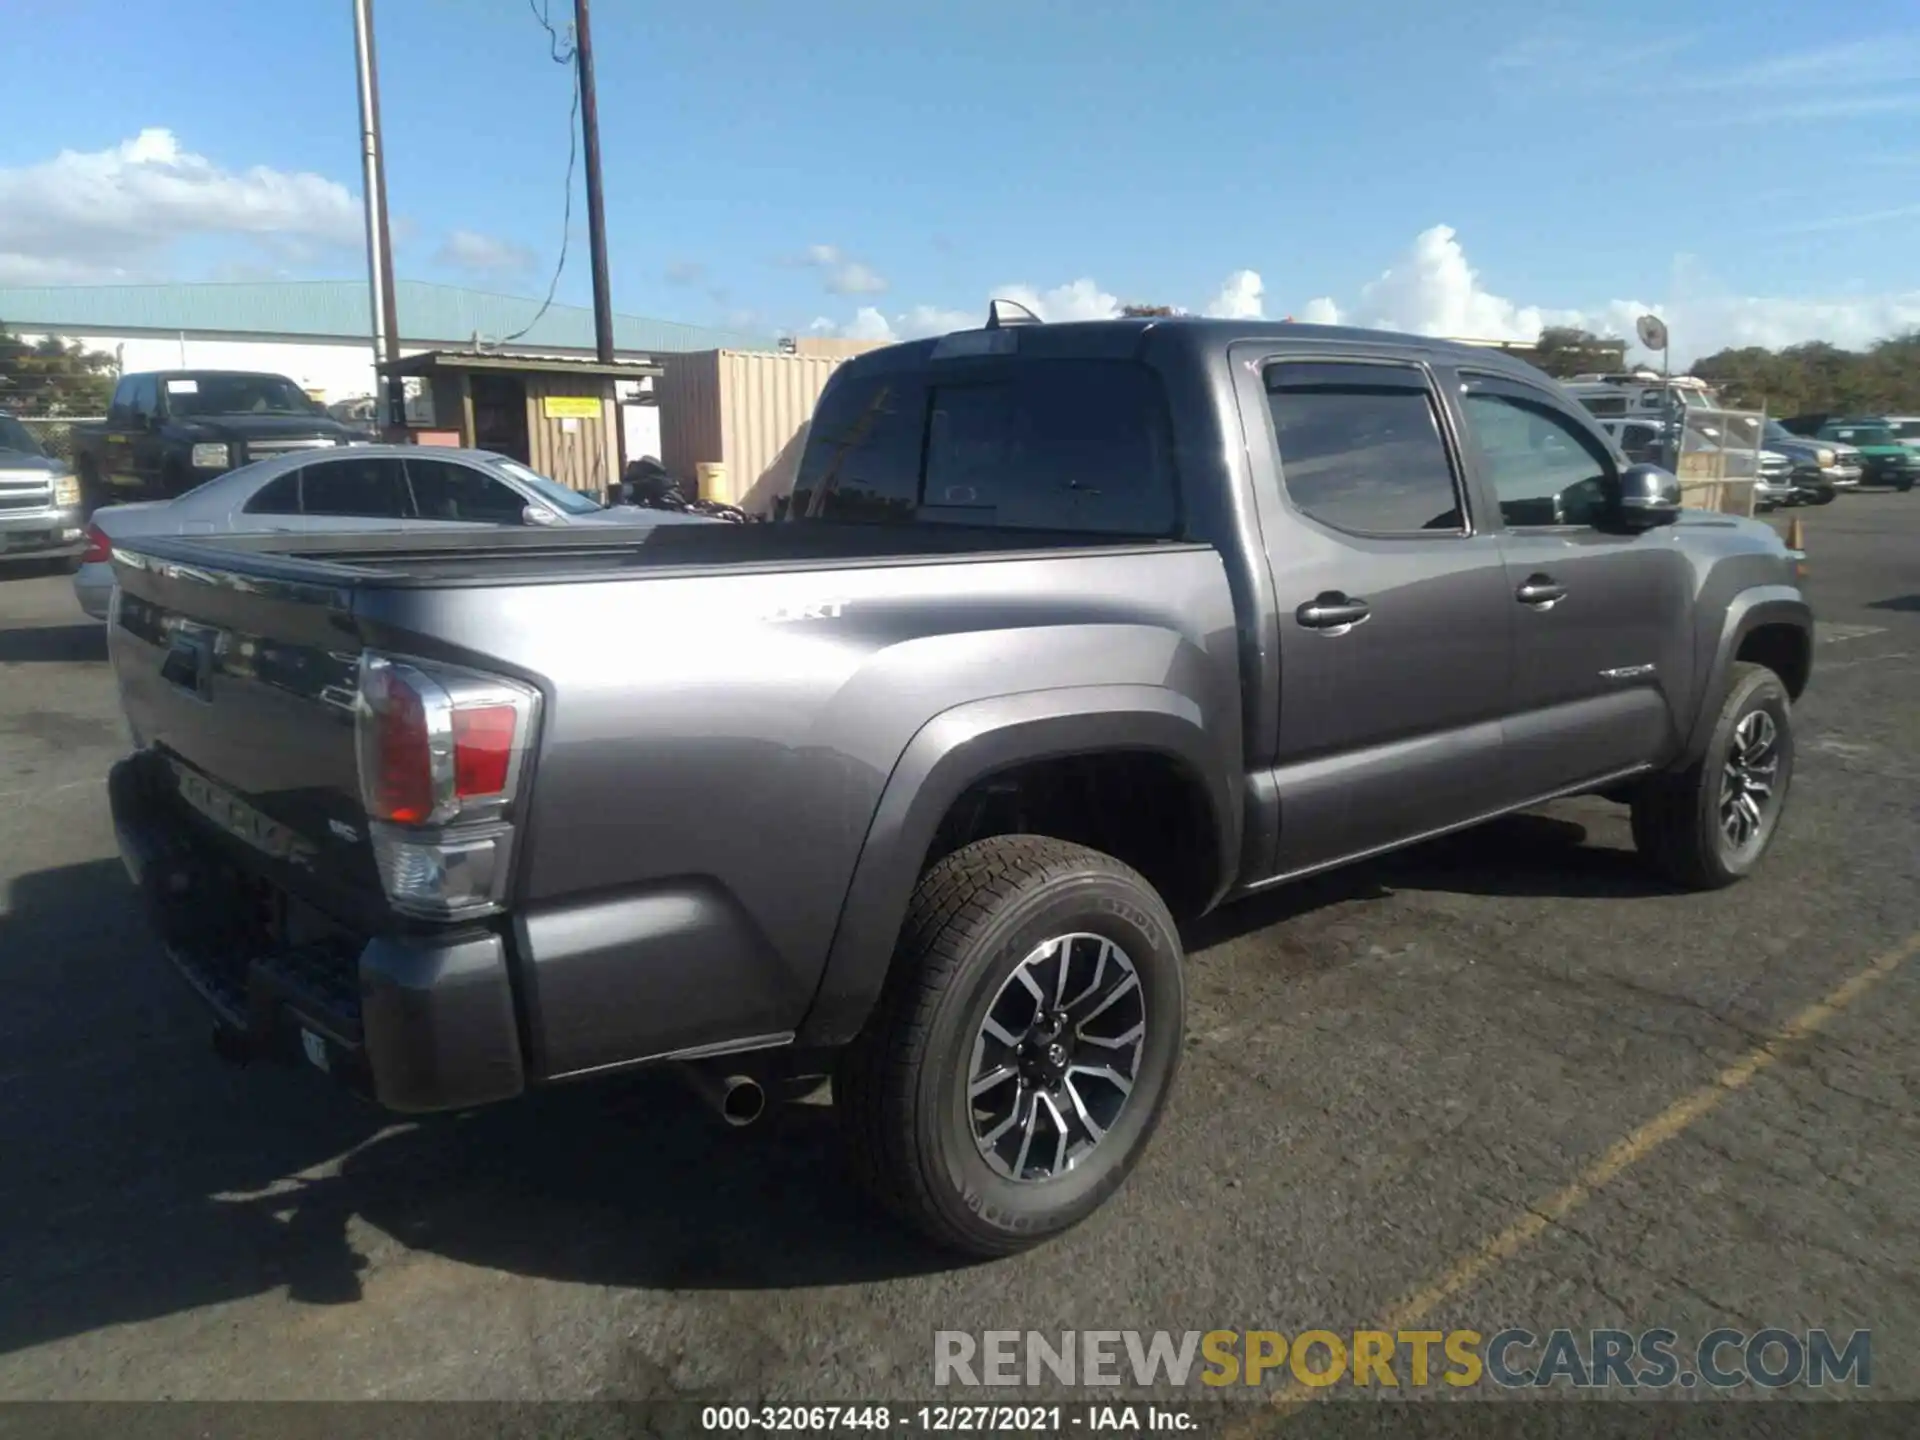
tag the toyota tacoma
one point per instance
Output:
(1069, 633)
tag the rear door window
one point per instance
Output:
(1053, 445)
(277, 497)
(1361, 450)
(448, 490)
(371, 487)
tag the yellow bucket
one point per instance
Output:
(711, 479)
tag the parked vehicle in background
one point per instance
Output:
(1906, 428)
(912, 786)
(170, 430)
(40, 514)
(1642, 441)
(1774, 483)
(372, 487)
(1884, 459)
(1640, 394)
(1824, 464)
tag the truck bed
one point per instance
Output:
(402, 559)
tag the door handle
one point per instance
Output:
(1332, 611)
(1542, 592)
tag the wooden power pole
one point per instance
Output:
(596, 206)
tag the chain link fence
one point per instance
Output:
(55, 432)
(1719, 458)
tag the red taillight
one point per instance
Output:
(437, 745)
(99, 547)
(403, 787)
(482, 749)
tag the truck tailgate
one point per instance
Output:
(247, 690)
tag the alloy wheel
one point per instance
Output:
(1056, 1057)
(1749, 788)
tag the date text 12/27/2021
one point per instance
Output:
(947, 1419)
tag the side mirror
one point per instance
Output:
(538, 515)
(1648, 496)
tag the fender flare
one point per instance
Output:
(963, 745)
(1746, 612)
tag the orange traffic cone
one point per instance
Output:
(1797, 546)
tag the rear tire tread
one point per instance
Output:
(956, 898)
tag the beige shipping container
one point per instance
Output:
(744, 410)
(836, 348)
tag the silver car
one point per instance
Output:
(367, 487)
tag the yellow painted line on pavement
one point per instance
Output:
(1629, 1151)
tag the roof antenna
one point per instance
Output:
(999, 318)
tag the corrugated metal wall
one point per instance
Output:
(747, 410)
(585, 456)
(768, 402)
(689, 391)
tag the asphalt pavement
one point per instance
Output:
(1505, 1079)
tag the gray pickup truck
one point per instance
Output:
(1069, 633)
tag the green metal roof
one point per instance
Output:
(338, 310)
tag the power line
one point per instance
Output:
(561, 49)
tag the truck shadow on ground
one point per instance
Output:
(146, 1178)
(1528, 855)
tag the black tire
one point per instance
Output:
(901, 1088)
(1903, 485)
(1822, 496)
(1679, 820)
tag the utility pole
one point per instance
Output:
(596, 208)
(373, 179)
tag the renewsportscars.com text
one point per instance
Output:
(1406, 1359)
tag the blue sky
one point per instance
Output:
(1751, 169)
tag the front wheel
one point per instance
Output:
(1707, 826)
(1903, 484)
(1023, 1048)
(1821, 497)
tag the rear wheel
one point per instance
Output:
(1024, 1046)
(1709, 825)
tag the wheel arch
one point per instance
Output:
(958, 749)
(1770, 625)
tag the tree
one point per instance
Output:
(52, 376)
(1564, 351)
(1819, 378)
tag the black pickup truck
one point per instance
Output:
(169, 430)
(1071, 632)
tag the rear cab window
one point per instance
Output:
(1038, 444)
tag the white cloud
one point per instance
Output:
(114, 213)
(1076, 300)
(483, 254)
(1432, 290)
(841, 274)
(1240, 298)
